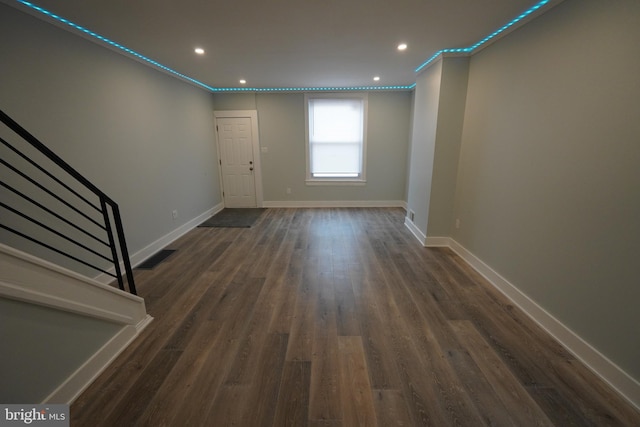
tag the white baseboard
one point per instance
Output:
(28, 279)
(140, 256)
(422, 238)
(335, 204)
(77, 382)
(435, 242)
(612, 374)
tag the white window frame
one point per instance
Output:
(310, 179)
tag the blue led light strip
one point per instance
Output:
(192, 80)
(499, 31)
(283, 89)
(314, 89)
(114, 44)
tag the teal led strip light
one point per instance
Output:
(112, 43)
(283, 89)
(313, 89)
(486, 39)
(192, 80)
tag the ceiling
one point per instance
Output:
(291, 43)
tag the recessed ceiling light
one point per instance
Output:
(243, 82)
(402, 46)
(376, 79)
(199, 51)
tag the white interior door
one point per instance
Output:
(235, 140)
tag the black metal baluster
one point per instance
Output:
(123, 248)
(104, 209)
(114, 252)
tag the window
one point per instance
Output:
(336, 138)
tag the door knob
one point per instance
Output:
(251, 169)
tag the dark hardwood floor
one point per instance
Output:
(336, 317)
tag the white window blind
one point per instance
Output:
(336, 137)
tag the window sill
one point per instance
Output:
(336, 182)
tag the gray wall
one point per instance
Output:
(281, 126)
(42, 347)
(423, 142)
(549, 175)
(453, 93)
(143, 137)
(235, 101)
(407, 175)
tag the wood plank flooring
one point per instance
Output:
(336, 317)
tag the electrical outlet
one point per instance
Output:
(174, 214)
(412, 214)
(457, 222)
(288, 190)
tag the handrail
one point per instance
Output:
(40, 220)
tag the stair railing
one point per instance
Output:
(47, 203)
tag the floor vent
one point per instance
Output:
(151, 262)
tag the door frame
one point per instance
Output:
(257, 169)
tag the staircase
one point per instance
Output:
(58, 232)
